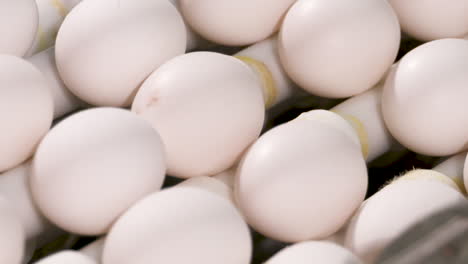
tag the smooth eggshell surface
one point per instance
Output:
(179, 226)
(105, 49)
(432, 19)
(94, 165)
(210, 184)
(235, 23)
(424, 98)
(332, 119)
(67, 257)
(207, 118)
(314, 252)
(12, 238)
(26, 110)
(338, 48)
(392, 210)
(301, 181)
(18, 26)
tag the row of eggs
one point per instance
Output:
(238, 23)
(197, 221)
(131, 54)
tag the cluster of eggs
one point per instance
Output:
(100, 100)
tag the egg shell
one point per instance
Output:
(207, 118)
(234, 23)
(64, 101)
(338, 48)
(331, 119)
(424, 98)
(18, 25)
(26, 110)
(68, 257)
(314, 252)
(392, 210)
(105, 49)
(432, 19)
(179, 225)
(301, 181)
(12, 239)
(94, 250)
(93, 166)
(210, 184)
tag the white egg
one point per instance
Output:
(432, 19)
(105, 49)
(392, 210)
(423, 101)
(93, 166)
(331, 119)
(234, 23)
(338, 48)
(18, 26)
(301, 181)
(207, 107)
(26, 110)
(179, 226)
